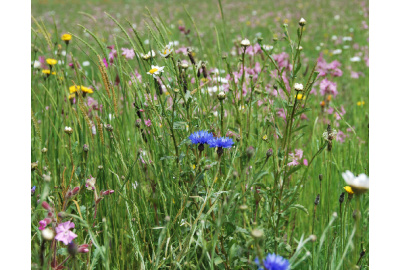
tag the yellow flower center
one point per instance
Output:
(348, 190)
(153, 70)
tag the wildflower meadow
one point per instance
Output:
(200, 135)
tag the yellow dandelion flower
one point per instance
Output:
(47, 71)
(349, 190)
(51, 62)
(66, 37)
(299, 96)
(194, 166)
(360, 103)
(84, 89)
(71, 96)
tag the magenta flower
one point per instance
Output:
(147, 122)
(42, 225)
(105, 62)
(64, 234)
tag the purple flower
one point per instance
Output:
(327, 87)
(33, 190)
(273, 262)
(64, 234)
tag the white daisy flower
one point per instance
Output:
(85, 63)
(150, 54)
(268, 47)
(36, 64)
(359, 184)
(155, 70)
(166, 51)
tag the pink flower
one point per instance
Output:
(340, 136)
(128, 53)
(305, 162)
(42, 225)
(327, 87)
(64, 234)
(105, 62)
(147, 122)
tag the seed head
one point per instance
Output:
(48, 234)
(316, 202)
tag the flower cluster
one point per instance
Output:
(204, 137)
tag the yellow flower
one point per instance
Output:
(47, 71)
(71, 96)
(66, 37)
(299, 96)
(349, 190)
(74, 89)
(265, 137)
(360, 103)
(194, 166)
(51, 62)
(329, 97)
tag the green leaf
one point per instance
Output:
(300, 207)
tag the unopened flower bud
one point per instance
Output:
(302, 22)
(44, 150)
(100, 167)
(320, 177)
(48, 234)
(75, 190)
(72, 249)
(269, 152)
(167, 218)
(83, 248)
(34, 165)
(46, 206)
(85, 147)
(221, 95)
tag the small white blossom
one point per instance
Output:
(355, 59)
(298, 87)
(245, 42)
(268, 47)
(337, 51)
(86, 63)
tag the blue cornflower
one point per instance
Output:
(273, 262)
(33, 190)
(201, 137)
(222, 142)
